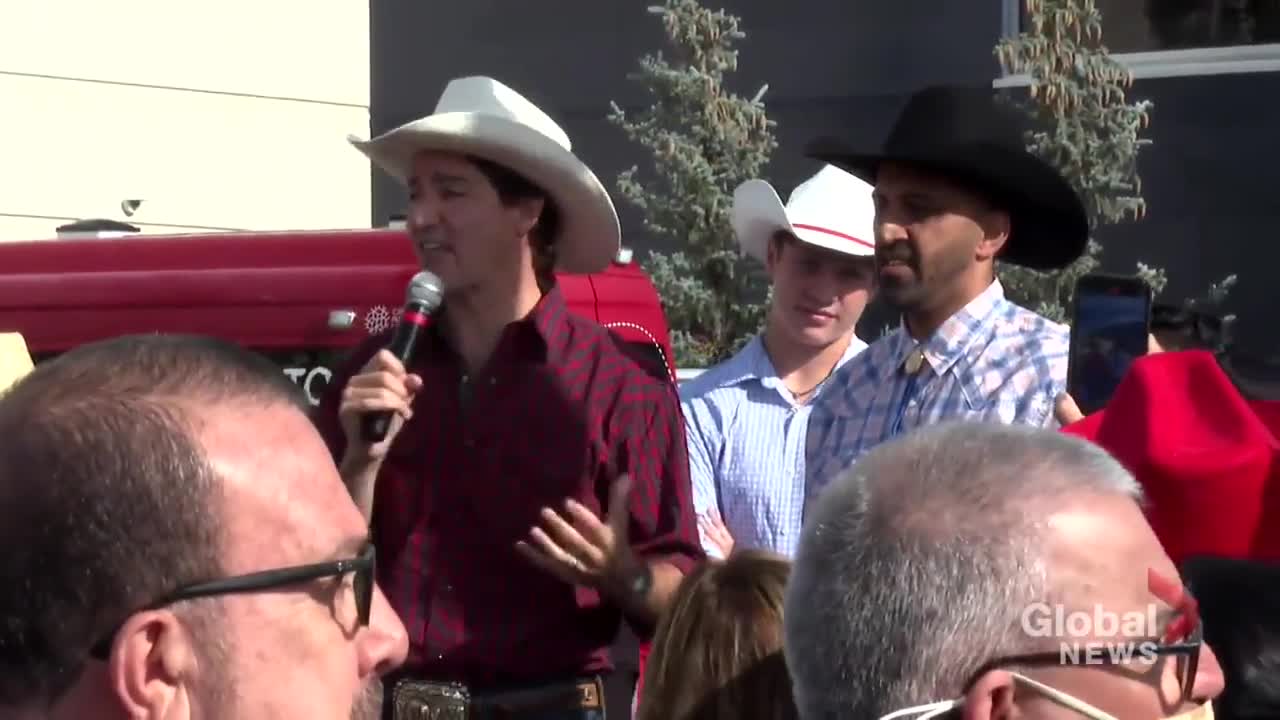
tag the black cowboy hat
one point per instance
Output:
(964, 133)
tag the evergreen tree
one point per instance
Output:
(1088, 129)
(703, 141)
(1212, 303)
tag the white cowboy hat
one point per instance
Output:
(832, 210)
(480, 116)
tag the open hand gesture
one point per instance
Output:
(581, 549)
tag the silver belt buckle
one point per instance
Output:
(424, 700)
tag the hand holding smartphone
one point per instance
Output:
(1110, 326)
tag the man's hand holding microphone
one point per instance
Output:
(378, 401)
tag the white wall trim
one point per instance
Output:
(1185, 63)
(1228, 60)
(683, 374)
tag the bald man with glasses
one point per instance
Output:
(178, 544)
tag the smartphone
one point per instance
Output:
(1110, 322)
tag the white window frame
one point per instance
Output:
(1163, 63)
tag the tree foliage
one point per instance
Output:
(703, 140)
(1086, 127)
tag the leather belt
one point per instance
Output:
(414, 699)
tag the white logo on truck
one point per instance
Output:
(313, 380)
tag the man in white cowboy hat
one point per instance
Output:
(955, 189)
(746, 417)
(537, 490)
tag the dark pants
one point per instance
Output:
(620, 685)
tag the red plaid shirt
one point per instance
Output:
(559, 412)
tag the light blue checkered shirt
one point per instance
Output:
(746, 448)
(993, 360)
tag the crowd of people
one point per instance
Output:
(821, 527)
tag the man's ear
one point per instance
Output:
(528, 212)
(996, 227)
(151, 662)
(990, 698)
(773, 252)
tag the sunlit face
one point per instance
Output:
(931, 236)
(283, 651)
(297, 652)
(1103, 549)
(818, 294)
(461, 229)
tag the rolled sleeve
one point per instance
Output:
(663, 524)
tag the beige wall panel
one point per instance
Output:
(75, 149)
(281, 48)
(35, 228)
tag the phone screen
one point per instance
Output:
(1108, 332)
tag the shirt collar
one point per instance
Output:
(949, 342)
(749, 363)
(548, 323)
(752, 363)
(540, 334)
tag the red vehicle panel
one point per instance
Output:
(300, 297)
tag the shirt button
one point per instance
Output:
(493, 381)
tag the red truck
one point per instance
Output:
(302, 298)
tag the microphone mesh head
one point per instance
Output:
(425, 288)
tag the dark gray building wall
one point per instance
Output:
(845, 68)
(831, 67)
(1210, 179)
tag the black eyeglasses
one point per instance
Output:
(1187, 653)
(362, 565)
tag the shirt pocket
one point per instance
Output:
(541, 467)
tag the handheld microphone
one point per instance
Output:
(422, 299)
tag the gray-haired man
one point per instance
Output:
(975, 569)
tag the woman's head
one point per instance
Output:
(1179, 328)
(1240, 607)
(717, 652)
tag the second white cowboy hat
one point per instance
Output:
(480, 116)
(832, 210)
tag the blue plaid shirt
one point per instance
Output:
(993, 360)
(746, 448)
